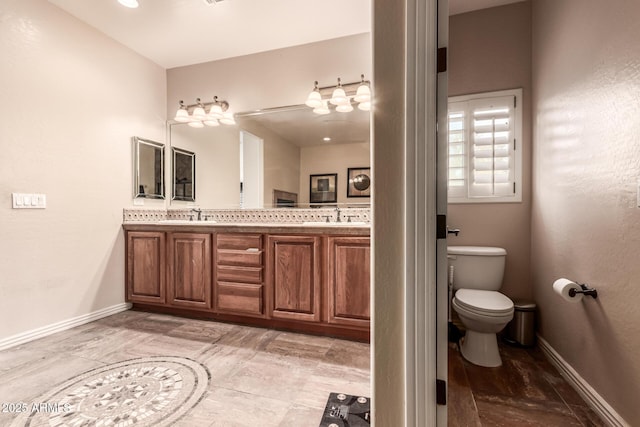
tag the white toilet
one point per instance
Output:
(477, 276)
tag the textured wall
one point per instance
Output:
(490, 50)
(71, 101)
(585, 222)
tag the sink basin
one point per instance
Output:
(335, 224)
(185, 222)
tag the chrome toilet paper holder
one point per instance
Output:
(585, 290)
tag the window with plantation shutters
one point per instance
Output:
(484, 158)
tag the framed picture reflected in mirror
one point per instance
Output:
(359, 182)
(323, 188)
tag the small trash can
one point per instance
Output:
(522, 329)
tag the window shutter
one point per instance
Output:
(458, 141)
(491, 156)
(484, 165)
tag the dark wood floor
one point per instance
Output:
(525, 391)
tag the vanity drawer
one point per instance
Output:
(239, 274)
(249, 257)
(239, 241)
(239, 298)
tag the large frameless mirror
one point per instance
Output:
(149, 169)
(184, 173)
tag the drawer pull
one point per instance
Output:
(253, 250)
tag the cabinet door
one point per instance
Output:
(295, 280)
(145, 267)
(190, 270)
(349, 281)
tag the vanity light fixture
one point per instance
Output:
(363, 94)
(129, 3)
(342, 96)
(323, 108)
(314, 100)
(344, 108)
(339, 96)
(203, 114)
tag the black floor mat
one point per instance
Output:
(344, 410)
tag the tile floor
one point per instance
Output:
(525, 391)
(259, 377)
(272, 378)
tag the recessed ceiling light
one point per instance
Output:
(129, 3)
(326, 139)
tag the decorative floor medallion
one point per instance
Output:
(150, 391)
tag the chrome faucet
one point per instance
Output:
(338, 219)
(199, 212)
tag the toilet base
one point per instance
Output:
(481, 349)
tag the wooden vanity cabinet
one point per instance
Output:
(239, 285)
(294, 271)
(189, 270)
(302, 281)
(348, 281)
(145, 267)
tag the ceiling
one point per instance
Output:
(174, 33)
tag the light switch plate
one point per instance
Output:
(29, 200)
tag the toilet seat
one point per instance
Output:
(485, 303)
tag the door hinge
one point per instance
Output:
(441, 392)
(442, 59)
(441, 227)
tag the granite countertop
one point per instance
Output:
(357, 228)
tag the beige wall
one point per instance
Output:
(336, 158)
(71, 101)
(490, 50)
(585, 222)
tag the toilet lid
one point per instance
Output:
(490, 302)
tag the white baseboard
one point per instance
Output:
(597, 403)
(34, 334)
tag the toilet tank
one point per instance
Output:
(477, 267)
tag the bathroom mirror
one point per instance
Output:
(291, 141)
(183, 177)
(148, 169)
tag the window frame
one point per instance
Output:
(468, 147)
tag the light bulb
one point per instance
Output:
(215, 112)
(182, 116)
(129, 3)
(211, 123)
(195, 124)
(363, 94)
(227, 118)
(344, 108)
(339, 97)
(322, 109)
(364, 106)
(314, 100)
(199, 114)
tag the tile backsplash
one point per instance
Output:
(279, 215)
